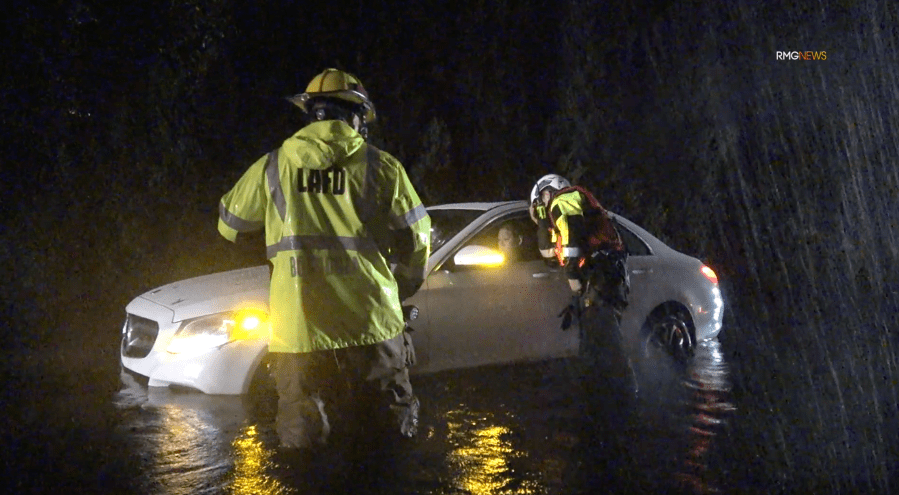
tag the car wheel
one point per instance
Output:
(669, 331)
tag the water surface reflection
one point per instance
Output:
(197, 443)
(708, 386)
(520, 429)
(685, 413)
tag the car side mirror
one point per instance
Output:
(475, 255)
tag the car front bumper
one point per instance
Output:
(227, 369)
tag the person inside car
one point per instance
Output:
(337, 212)
(510, 242)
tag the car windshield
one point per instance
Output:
(445, 224)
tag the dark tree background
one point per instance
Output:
(124, 124)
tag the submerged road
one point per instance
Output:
(523, 429)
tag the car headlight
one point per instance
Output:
(209, 332)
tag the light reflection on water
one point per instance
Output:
(707, 384)
(481, 455)
(503, 430)
(197, 443)
(252, 462)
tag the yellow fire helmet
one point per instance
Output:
(334, 83)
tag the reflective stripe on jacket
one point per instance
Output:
(336, 213)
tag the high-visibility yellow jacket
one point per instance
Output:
(337, 213)
(569, 233)
(567, 212)
(561, 231)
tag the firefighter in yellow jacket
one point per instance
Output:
(349, 239)
(559, 239)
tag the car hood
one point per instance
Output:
(214, 293)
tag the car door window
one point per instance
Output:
(514, 236)
(635, 246)
(517, 239)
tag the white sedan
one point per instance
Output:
(484, 302)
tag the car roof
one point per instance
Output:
(480, 206)
(484, 206)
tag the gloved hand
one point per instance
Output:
(576, 285)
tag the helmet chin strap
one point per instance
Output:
(361, 126)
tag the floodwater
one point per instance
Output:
(538, 428)
(522, 429)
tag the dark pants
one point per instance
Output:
(603, 351)
(362, 390)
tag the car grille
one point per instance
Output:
(139, 336)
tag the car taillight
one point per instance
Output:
(709, 274)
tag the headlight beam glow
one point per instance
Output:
(209, 332)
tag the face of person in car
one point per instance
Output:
(509, 243)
